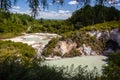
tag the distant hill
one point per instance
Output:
(92, 15)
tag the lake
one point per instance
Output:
(91, 61)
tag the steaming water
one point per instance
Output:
(90, 61)
(37, 39)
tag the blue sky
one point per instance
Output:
(53, 12)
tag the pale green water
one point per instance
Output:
(91, 61)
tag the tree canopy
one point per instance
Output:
(92, 15)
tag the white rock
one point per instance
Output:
(87, 50)
(65, 46)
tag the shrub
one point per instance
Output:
(112, 70)
(48, 50)
(16, 50)
(73, 52)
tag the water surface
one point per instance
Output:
(90, 61)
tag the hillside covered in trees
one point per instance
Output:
(93, 15)
(16, 24)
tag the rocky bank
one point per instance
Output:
(69, 48)
(112, 43)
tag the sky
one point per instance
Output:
(54, 11)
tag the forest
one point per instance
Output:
(18, 61)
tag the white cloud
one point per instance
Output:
(73, 2)
(21, 12)
(64, 11)
(15, 7)
(117, 5)
(57, 1)
(50, 4)
(61, 14)
(54, 15)
(25, 12)
(114, 2)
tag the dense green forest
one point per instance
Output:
(17, 61)
(13, 24)
(91, 15)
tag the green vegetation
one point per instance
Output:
(79, 19)
(51, 26)
(103, 26)
(48, 50)
(15, 24)
(92, 15)
(12, 25)
(81, 37)
(17, 61)
(15, 50)
(72, 53)
(11, 70)
(112, 71)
